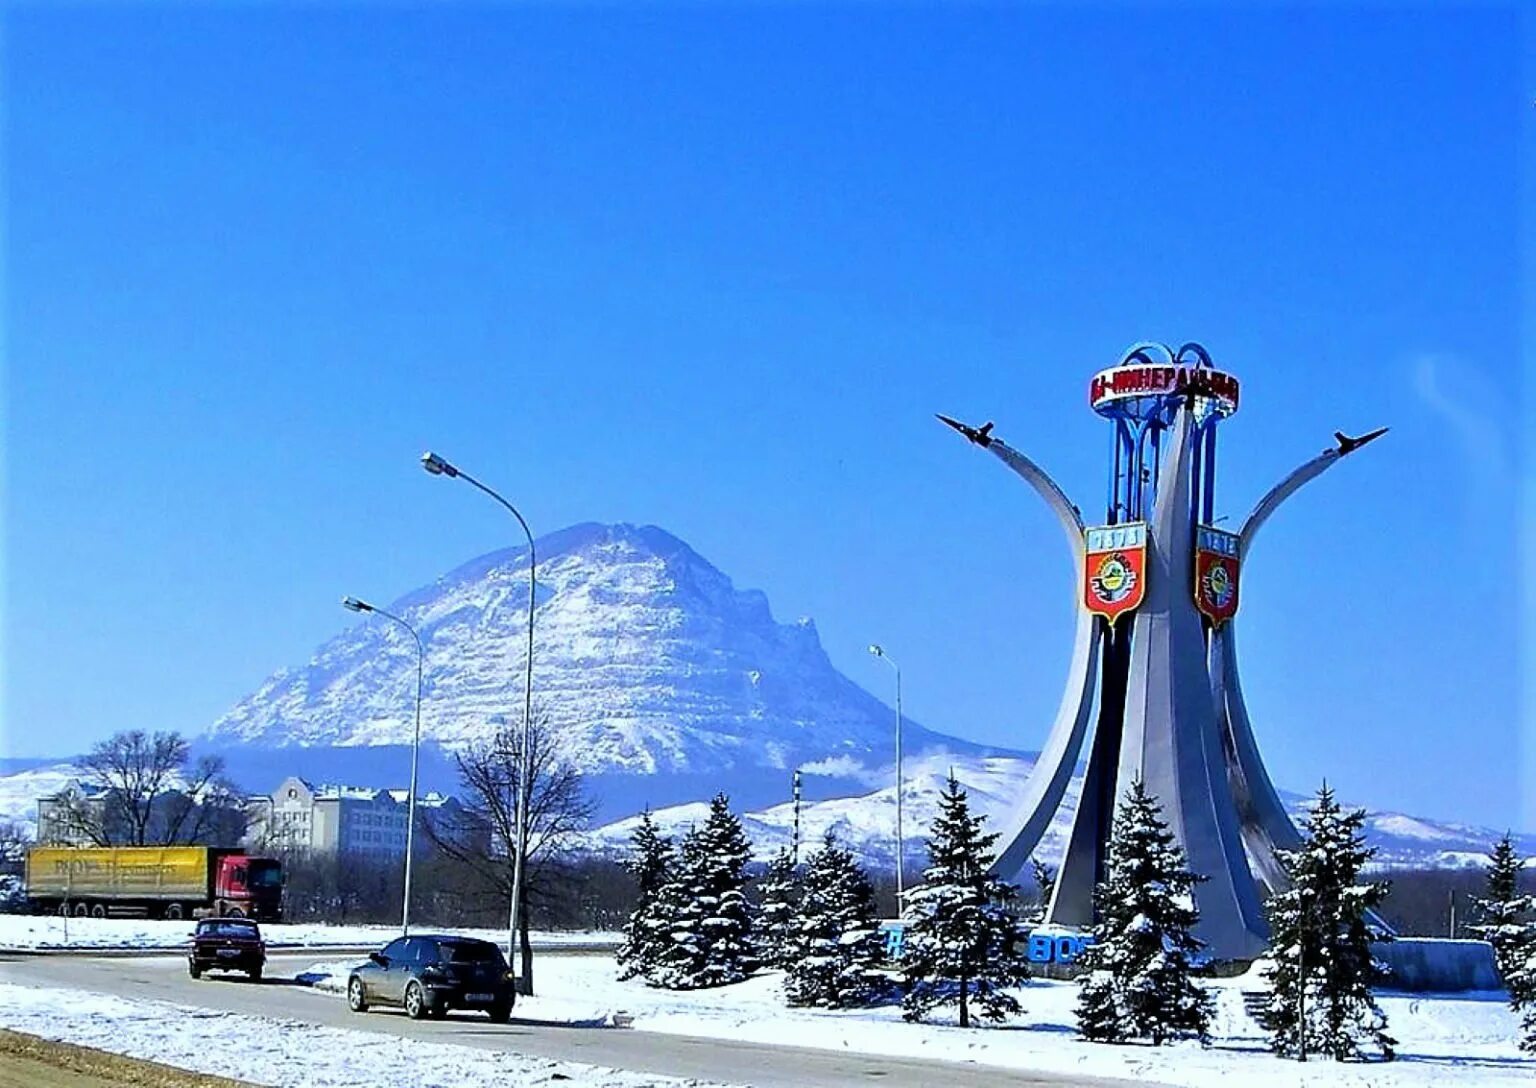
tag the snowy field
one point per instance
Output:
(1463, 1040)
(284, 1053)
(39, 931)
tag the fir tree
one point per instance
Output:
(645, 931)
(708, 941)
(1503, 913)
(1320, 944)
(1505, 923)
(1139, 984)
(1522, 991)
(835, 952)
(961, 944)
(779, 894)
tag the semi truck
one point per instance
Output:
(157, 881)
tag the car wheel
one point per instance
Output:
(356, 1000)
(235, 912)
(99, 910)
(415, 1000)
(194, 970)
(63, 910)
(255, 973)
(500, 1013)
(173, 912)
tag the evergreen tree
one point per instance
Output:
(1505, 922)
(961, 944)
(1139, 983)
(1522, 991)
(1503, 913)
(835, 952)
(1320, 944)
(645, 931)
(708, 941)
(779, 895)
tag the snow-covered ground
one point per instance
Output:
(35, 931)
(1460, 1040)
(284, 1053)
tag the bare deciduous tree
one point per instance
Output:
(152, 793)
(558, 810)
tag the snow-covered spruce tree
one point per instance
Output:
(961, 944)
(836, 952)
(1522, 992)
(1139, 985)
(1320, 944)
(708, 940)
(778, 891)
(646, 928)
(1503, 915)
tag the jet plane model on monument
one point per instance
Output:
(1170, 705)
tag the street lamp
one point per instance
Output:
(439, 467)
(879, 652)
(352, 604)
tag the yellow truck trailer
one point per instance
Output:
(162, 881)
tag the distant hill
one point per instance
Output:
(664, 683)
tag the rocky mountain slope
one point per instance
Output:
(647, 661)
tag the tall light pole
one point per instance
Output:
(352, 604)
(879, 652)
(439, 467)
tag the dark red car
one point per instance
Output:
(227, 944)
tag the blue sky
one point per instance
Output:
(715, 270)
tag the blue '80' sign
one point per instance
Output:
(1056, 946)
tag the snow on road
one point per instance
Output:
(285, 1053)
(41, 932)
(1444, 1040)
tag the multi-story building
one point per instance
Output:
(347, 819)
(88, 814)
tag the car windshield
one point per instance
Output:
(464, 952)
(265, 876)
(227, 929)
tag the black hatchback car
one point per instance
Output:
(427, 976)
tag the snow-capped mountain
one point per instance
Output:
(867, 823)
(662, 681)
(647, 661)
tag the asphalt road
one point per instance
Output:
(165, 978)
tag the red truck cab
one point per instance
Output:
(247, 887)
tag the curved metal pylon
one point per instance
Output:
(1031, 816)
(1267, 827)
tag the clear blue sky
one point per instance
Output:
(715, 271)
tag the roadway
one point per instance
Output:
(164, 978)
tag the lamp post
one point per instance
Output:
(439, 467)
(879, 652)
(352, 604)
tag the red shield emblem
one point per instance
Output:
(1216, 567)
(1115, 571)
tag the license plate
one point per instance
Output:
(231, 952)
(479, 997)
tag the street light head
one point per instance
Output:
(436, 465)
(875, 649)
(352, 604)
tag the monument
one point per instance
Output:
(1155, 652)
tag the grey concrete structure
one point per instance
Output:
(1164, 681)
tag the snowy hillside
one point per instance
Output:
(646, 658)
(867, 823)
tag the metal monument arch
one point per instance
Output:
(1158, 584)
